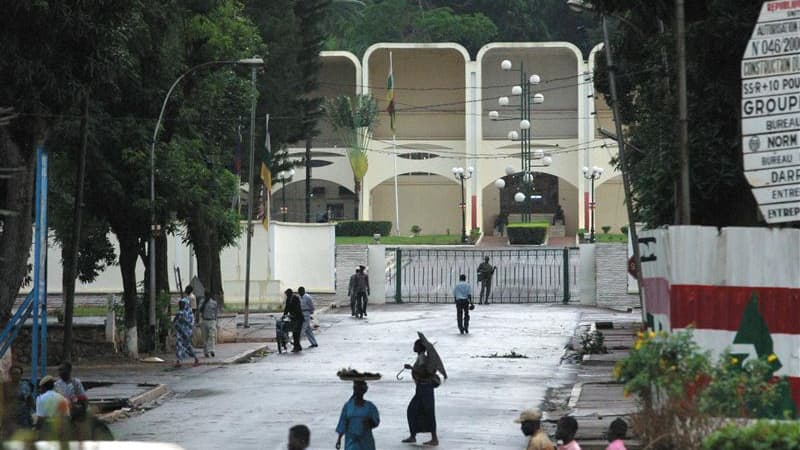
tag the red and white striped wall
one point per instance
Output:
(703, 277)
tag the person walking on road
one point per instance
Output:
(307, 306)
(421, 412)
(362, 291)
(188, 294)
(463, 295)
(208, 311)
(357, 420)
(485, 273)
(183, 323)
(294, 311)
(351, 292)
(531, 425)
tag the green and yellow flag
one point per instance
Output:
(390, 94)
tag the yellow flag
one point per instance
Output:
(266, 177)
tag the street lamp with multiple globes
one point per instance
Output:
(284, 176)
(592, 174)
(462, 175)
(526, 101)
(155, 228)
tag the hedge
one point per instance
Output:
(533, 233)
(363, 228)
(762, 434)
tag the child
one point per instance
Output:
(616, 433)
(565, 433)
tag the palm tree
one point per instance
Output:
(354, 120)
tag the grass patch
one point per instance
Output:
(431, 239)
(610, 237)
(89, 311)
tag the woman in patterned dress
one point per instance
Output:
(184, 321)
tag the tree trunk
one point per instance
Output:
(204, 255)
(308, 180)
(16, 231)
(163, 270)
(71, 248)
(128, 255)
(216, 277)
(357, 201)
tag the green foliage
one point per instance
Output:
(610, 237)
(745, 389)
(533, 233)
(624, 229)
(759, 435)
(416, 229)
(426, 239)
(606, 229)
(592, 343)
(472, 23)
(363, 228)
(648, 103)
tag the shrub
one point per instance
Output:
(624, 229)
(581, 233)
(415, 229)
(527, 233)
(592, 343)
(760, 435)
(363, 228)
(606, 229)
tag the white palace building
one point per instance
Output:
(443, 100)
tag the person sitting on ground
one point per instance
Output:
(565, 433)
(72, 389)
(52, 410)
(23, 398)
(531, 425)
(616, 433)
(299, 437)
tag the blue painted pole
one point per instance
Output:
(39, 331)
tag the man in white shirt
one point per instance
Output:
(307, 305)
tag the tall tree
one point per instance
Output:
(43, 74)
(715, 44)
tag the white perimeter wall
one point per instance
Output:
(302, 254)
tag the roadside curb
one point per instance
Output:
(241, 356)
(148, 396)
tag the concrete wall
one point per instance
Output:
(706, 279)
(264, 287)
(305, 255)
(428, 201)
(611, 210)
(611, 266)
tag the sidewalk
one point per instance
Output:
(597, 399)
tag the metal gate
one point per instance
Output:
(523, 275)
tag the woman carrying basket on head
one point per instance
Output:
(421, 411)
(358, 418)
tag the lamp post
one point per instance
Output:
(284, 176)
(526, 101)
(592, 174)
(155, 227)
(462, 175)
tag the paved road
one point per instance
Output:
(251, 406)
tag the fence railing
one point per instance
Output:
(523, 275)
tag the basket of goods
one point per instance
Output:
(350, 374)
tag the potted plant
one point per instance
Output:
(606, 229)
(581, 234)
(415, 230)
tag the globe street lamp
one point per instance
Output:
(284, 176)
(592, 174)
(526, 100)
(155, 227)
(462, 175)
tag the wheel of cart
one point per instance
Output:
(282, 333)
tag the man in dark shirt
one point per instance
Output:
(294, 311)
(362, 291)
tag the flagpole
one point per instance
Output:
(394, 151)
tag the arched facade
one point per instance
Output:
(442, 99)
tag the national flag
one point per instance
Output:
(266, 177)
(237, 162)
(390, 95)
